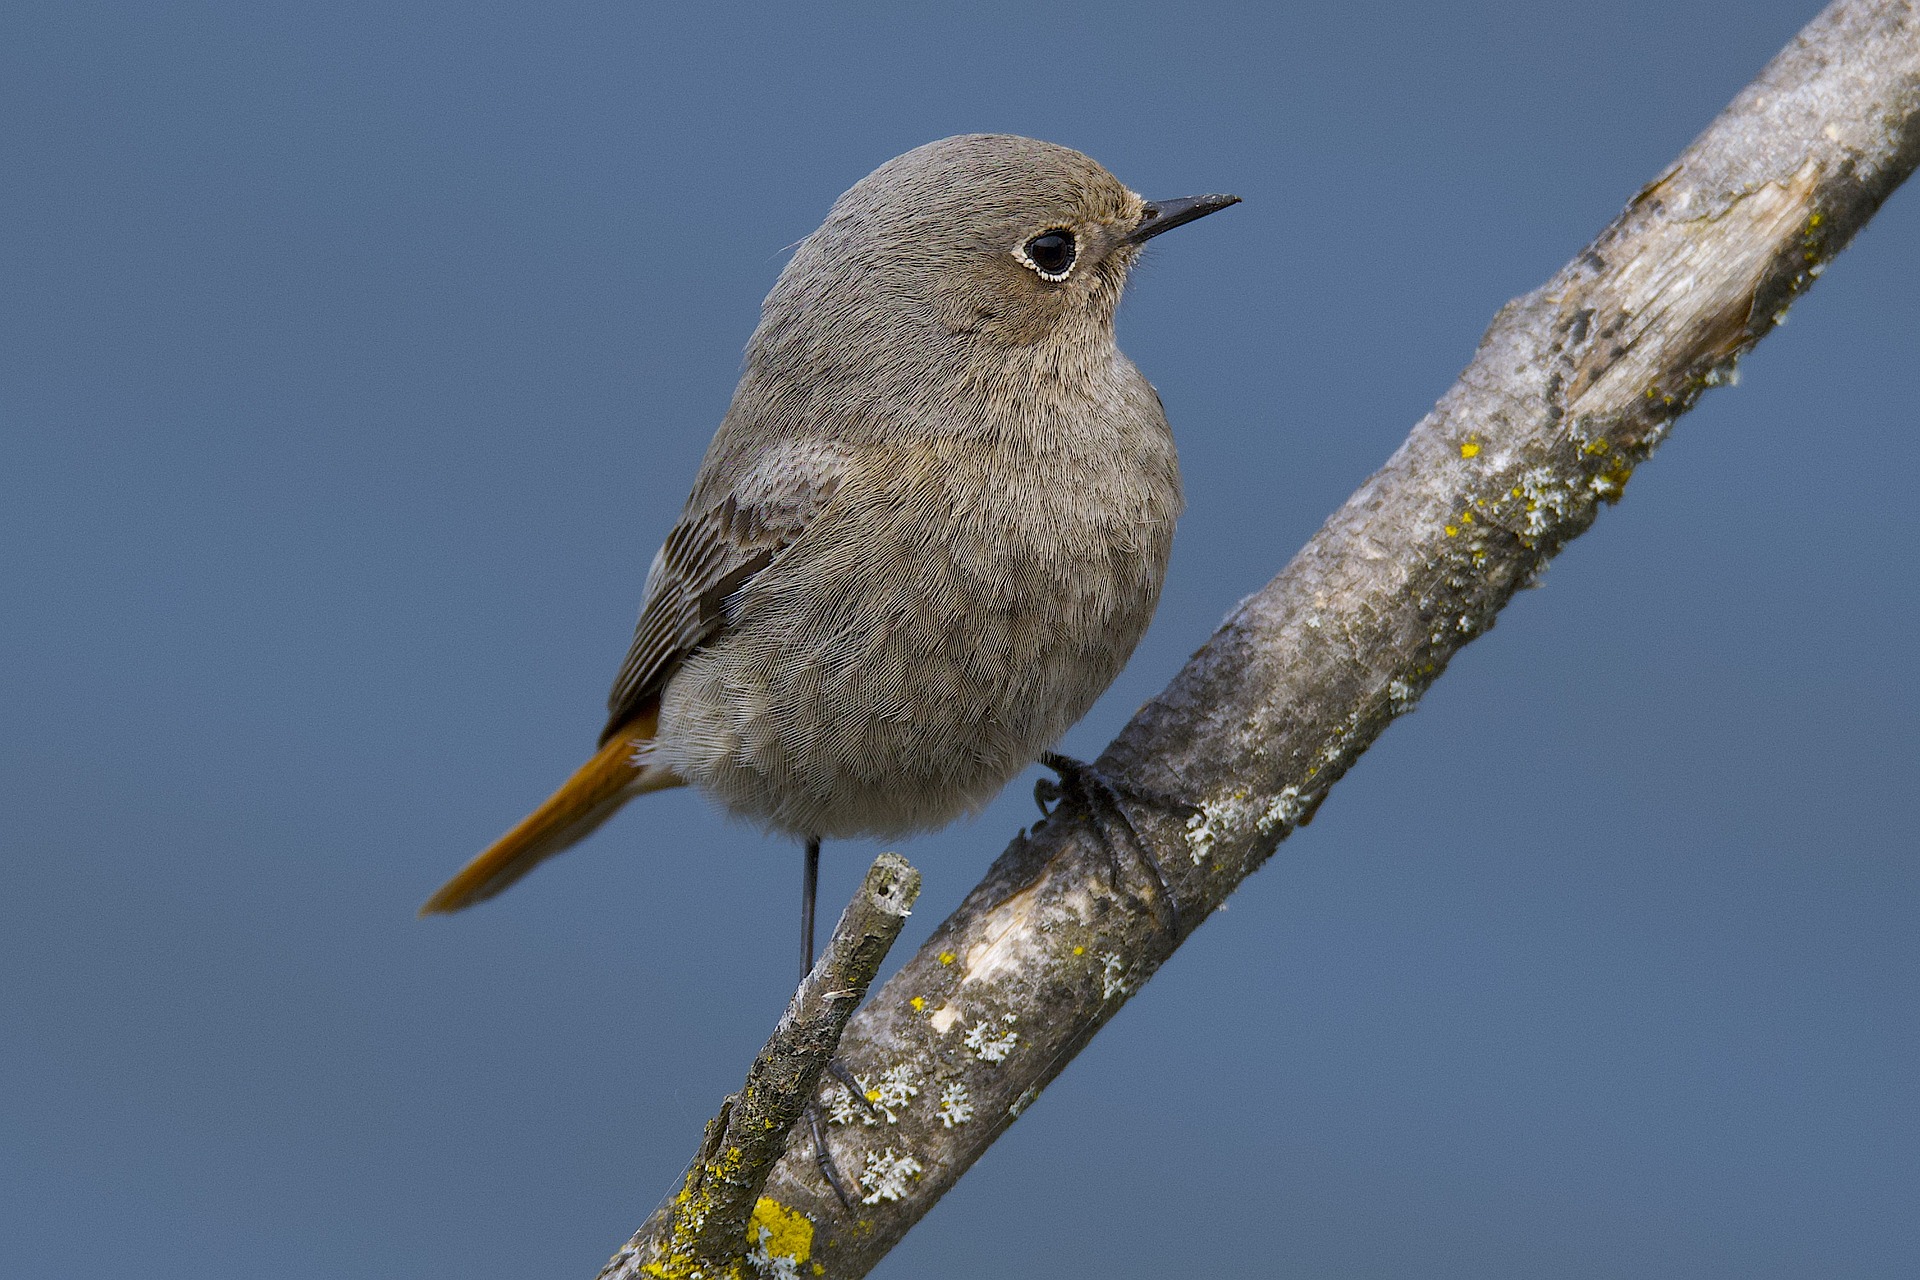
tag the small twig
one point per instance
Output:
(704, 1229)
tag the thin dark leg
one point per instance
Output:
(823, 1160)
(809, 889)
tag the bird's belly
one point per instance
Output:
(900, 694)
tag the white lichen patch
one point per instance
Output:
(990, 1045)
(887, 1175)
(1200, 835)
(1724, 374)
(1401, 695)
(773, 1266)
(842, 1107)
(1549, 502)
(1240, 812)
(956, 1105)
(884, 1098)
(1113, 976)
(895, 1088)
(943, 1018)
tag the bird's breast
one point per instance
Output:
(950, 615)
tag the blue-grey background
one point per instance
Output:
(355, 357)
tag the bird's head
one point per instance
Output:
(991, 237)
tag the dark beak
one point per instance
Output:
(1165, 215)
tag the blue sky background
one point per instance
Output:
(354, 358)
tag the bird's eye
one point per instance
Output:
(1051, 253)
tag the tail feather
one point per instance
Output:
(592, 795)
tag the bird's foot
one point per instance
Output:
(1107, 805)
(838, 1070)
(823, 1158)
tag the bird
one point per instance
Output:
(930, 530)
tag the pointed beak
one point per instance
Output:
(1165, 215)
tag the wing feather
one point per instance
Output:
(714, 551)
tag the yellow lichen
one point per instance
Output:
(919, 1004)
(1469, 449)
(692, 1204)
(947, 957)
(789, 1233)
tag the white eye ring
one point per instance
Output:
(1023, 254)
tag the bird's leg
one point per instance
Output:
(1106, 805)
(823, 1158)
(809, 889)
(838, 1070)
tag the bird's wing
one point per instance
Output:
(714, 551)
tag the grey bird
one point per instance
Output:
(929, 531)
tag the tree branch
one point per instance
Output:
(1573, 386)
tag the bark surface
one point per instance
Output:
(1573, 386)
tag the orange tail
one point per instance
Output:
(591, 796)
